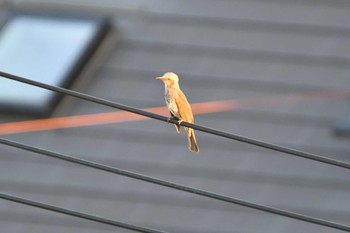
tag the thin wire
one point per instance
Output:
(205, 129)
(78, 214)
(176, 186)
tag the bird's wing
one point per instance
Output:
(184, 107)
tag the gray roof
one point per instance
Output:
(292, 56)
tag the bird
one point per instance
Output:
(179, 107)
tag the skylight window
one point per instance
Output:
(48, 49)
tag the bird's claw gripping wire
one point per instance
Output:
(179, 121)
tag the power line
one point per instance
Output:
(78, 214)
(176, 186)
(205, 129)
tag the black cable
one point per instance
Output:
(172, 185)
(251, 141)
(78, 214)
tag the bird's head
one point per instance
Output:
(170, 79)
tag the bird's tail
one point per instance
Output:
(192, 142)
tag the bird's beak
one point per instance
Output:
(160, 78)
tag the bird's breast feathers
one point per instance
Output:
(171, 103)
(178, 105)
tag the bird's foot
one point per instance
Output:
(179, 122)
